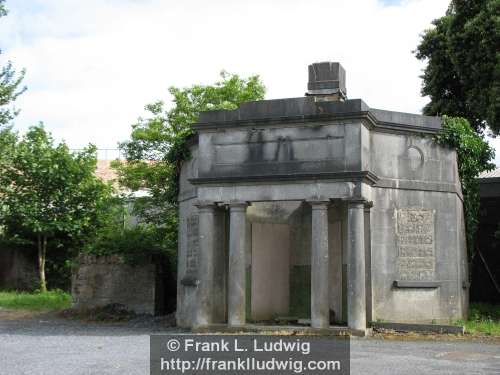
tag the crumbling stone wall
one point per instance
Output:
(99, 281)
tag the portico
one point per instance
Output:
(235, 209)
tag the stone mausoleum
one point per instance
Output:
(323, 209)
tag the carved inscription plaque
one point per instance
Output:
(416, 239)
(192, 245)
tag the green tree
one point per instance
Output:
(462, 77)
(474, 156)
(9, 86)
(158, 147)
(48, 192)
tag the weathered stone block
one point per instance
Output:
(99, 281)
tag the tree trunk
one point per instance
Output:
(42, 251)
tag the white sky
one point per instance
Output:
(92, 65)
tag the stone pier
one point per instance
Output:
(356, 293)
(204, 314)
(320, 317)
(237, 253)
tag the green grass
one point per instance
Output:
(52, 300)
(483, 319)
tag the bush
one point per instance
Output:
(474, 156)
(135, 245)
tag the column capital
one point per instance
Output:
(205, 205)
(238, 205)
(319, 204)
(359, 203)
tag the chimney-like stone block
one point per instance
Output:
(327, 78)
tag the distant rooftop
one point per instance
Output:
(108, 174)
(489, 184)
(105, 172)
(491, 174)
(106, 153)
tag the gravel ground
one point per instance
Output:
(52, 346)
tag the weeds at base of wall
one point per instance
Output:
(52, 300)
(484, 319)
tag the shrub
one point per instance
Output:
(474, 156)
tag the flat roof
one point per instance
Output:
(308, 108)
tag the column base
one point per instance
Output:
(256, 328)
(320, 324)
(236, 324)
(360, 332)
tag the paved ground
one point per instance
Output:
(39, 346)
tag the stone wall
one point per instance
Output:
(18, 269)
(418, 254)
(99, 281)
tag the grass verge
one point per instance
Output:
(51, 300)
(483, 319)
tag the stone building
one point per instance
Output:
(320, 208)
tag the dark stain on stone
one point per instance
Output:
(255, 146)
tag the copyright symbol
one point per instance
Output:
(173, 345)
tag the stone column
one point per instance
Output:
(204, 314)
(320, 306)
(356, 277)
(368, 262)
(237, 264)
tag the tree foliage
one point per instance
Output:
(48, 192)
(10, 85)
(474, 156)
(158, 146)
(462, 77)
(134, 244)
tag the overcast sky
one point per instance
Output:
(92, 65)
